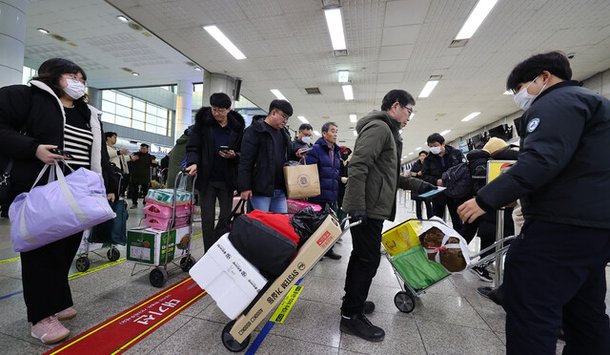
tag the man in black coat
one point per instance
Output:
(417, 171)
(556, 269)
(441, 158)
(266, 147)
(212, 152)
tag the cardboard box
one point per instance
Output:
(148, 245)
(309, 254)
(228, 277)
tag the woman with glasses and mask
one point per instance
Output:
(50, 120)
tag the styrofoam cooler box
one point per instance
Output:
(228, 277)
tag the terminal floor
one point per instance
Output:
(450, 318)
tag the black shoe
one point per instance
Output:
(482, 273)
(491, 293)
(369, 307)
(331, 254)
(360, 326)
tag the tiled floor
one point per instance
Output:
(450, 318)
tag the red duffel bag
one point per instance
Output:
(278, 221)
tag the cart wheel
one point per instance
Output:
(405, 302)
(82, 264)
(113, 254)
(187, 263)
(229, 342)
(158, 277)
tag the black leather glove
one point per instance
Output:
(358, 216)
(425, 187)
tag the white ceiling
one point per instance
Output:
(391, 44)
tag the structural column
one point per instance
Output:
(184, 106)
(214, 82)
(12, 37)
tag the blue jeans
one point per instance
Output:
(275, 203)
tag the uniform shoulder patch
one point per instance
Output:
(533, 124)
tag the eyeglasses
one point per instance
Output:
(283, 115)
(409, 109)
(74, 76)
(220, 109)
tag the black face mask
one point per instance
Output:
(344, 156)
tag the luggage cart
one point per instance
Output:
(113, 254)
(229, 341)
(159, 274)
(404, 299)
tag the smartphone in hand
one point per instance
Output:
(61, 152)
(224, 148)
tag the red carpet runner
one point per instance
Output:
(123, 331)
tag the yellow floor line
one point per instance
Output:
(9, 260)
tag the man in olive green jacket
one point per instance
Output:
(370, 196)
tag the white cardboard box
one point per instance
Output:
(228, 277)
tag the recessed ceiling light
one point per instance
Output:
(411, 153)
(334, 21)
(355, 134)
(507, 92)
(135, 74)
(122, 18)
(353, 118)
(197, 68)
(418, 148)
(278, 94)
(471, 116)
(348, 92)
(303, 119)
(427, 90)
(343, 76)
(224, 41)
(478, 14)
(42, 30)
(445, 132)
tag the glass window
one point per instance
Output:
(139, 105)
(108, 106)
(123, 121)
(123, 99)
(138, 125)
(109, 95)
(108, 117)
(161, 130)
(123, 111)
(138, 115)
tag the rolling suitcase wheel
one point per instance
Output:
(158, 277)
(82, 264)
(186, 263)
(229, 342)
(113, 254)
(405, 302)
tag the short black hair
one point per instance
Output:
(281, 105)
(143, 145)
(220, 99)
(327, 125)
(397, 95)
(435, 138)
(422, 152)
(304, 127)
(554, 62)
(109, 134)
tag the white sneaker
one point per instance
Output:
(49, 330)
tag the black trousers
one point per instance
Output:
(362, 266)
(44, 273)
(134, 190)
(452, 204)
(418, 208)
(554, 278)
(215, 190)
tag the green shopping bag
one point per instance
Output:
(415, 268)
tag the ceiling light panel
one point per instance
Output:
(348, 92)
(343, 76)
(278, 94)
(470, 116)
(353, 118)
(427, 90)
(224, 41)
(303, 119)
(478, 14)
(334, 21)
(445, 132)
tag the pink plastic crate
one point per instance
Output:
(294, 206)
(156, 210)
(163, 223)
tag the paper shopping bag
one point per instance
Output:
(302, 181)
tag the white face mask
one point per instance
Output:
(75, 89)
(524, 99)
(435, 150)
(306, 139)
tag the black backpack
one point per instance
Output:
(458, 181)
